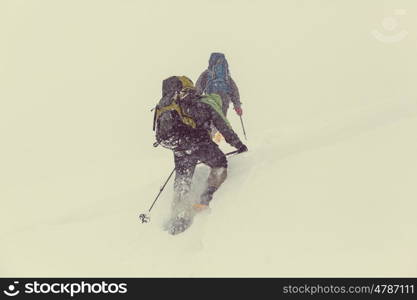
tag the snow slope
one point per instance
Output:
(334, 204)
(326, 189)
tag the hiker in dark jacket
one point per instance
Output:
(216, 79)
(182, 121)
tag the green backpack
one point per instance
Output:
(215, 101)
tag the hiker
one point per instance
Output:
(182, 122)
(216, 79)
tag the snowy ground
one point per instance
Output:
(327, 188)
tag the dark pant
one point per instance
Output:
(186, 161)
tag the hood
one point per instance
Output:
(214, 57)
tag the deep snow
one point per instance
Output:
(326, 189)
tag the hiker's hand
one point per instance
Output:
(242, 148)
(238, 110)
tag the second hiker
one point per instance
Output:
(216, 79)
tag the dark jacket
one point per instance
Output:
(183, 136)
(204, 115)
(232, 95)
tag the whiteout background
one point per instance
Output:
(327, 189)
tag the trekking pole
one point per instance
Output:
(243, 127)
(144, 218)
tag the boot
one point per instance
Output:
(199, 207)
(206, 197)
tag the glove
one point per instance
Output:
(242, 148)
(238, 110)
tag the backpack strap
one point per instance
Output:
(154, 117)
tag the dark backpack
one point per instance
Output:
(171, 123)
(174, 127)
(218, 75)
